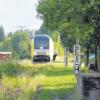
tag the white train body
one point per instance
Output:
(43, 48)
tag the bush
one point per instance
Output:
(10, 68)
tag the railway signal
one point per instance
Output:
(76, 58)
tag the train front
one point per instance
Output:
(42, 48)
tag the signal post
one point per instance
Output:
(77, 59)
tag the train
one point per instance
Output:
(42, 48)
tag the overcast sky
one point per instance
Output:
(14, 13)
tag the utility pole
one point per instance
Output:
(77, 46)
(21, 28)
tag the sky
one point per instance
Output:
(15, 13)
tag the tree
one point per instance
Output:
(92, 17)
(21, 44)
(66, 17)
(43, 30)
(2, 34)
(75, 20)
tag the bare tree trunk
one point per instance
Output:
(87, 56)
(66, 53)
(98, 58)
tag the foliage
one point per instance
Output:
(71, 18)
(21, 44)
(65, 16)
(76, 21)
(2, 34)
(18, 43)
(92, 17)
(9, 68)
(6, 46)
(57, 43)
(43, 30)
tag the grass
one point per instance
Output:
(27, 81)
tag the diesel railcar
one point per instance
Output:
(42, 48)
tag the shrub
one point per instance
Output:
(10, 68)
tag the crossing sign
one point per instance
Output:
(76, 49)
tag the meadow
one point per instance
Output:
(22, 80)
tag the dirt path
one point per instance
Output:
(71, 96)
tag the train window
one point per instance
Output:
(41, 42)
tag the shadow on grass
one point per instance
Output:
(59, 71)
(51, 94)
(59, 85)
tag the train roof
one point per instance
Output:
(43, 35)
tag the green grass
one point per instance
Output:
(25, 81)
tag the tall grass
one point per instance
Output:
(25, 81)
(10, 68)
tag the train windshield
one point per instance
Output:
(41, 42)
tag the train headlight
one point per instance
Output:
(47, 53)
(35, 53)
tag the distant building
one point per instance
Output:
(5, 56)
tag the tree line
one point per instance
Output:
(19, 43)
